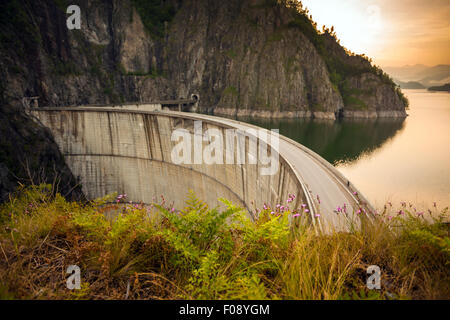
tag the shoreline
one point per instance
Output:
(265, 114)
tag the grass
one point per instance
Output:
(156, 252)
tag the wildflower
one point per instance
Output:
(401, 212)
(420, 214)
(265, 207)
(317, 215)
(278, 206)
(359, 211)
(304, 205)
(289, 200)
(318, 199)
(296, 215)
(389, 218)
(355, 193)
(339, 209)
(173, 210)
(272, 212)
(403, 204)
(306, 210)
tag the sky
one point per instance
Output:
(391, 32)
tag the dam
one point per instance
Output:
(129, 150)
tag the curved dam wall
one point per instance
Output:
(130, 152)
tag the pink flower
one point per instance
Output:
(306, 210)
(304, 205)
(355, 193)
(317, 215)
(296, 215)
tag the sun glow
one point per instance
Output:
(391, 32)
(358, 25)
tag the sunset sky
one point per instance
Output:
(392, 32)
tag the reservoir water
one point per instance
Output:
(387, 159)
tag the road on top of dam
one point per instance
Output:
(316, 174)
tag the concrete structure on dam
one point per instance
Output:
(129, 150)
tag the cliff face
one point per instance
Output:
(244, 57)
(251, 57)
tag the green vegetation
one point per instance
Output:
(231, 54)
(17, 31)
(203, 253)
(63, 68)
(231, 91)
(340, 70)
(154, 14)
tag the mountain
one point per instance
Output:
(262, 57)
(243, 57)
(445, 87)
(427, 76)
(409, 84)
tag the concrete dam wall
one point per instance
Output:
(129, 151)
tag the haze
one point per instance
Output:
(393, 33)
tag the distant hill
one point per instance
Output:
(409, 84)
(445, 87)
(427, 76)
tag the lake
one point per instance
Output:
(387, 159)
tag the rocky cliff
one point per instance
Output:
(261, 57)
(243, 57)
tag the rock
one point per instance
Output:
(253, 57)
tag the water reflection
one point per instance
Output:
(339, 142)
